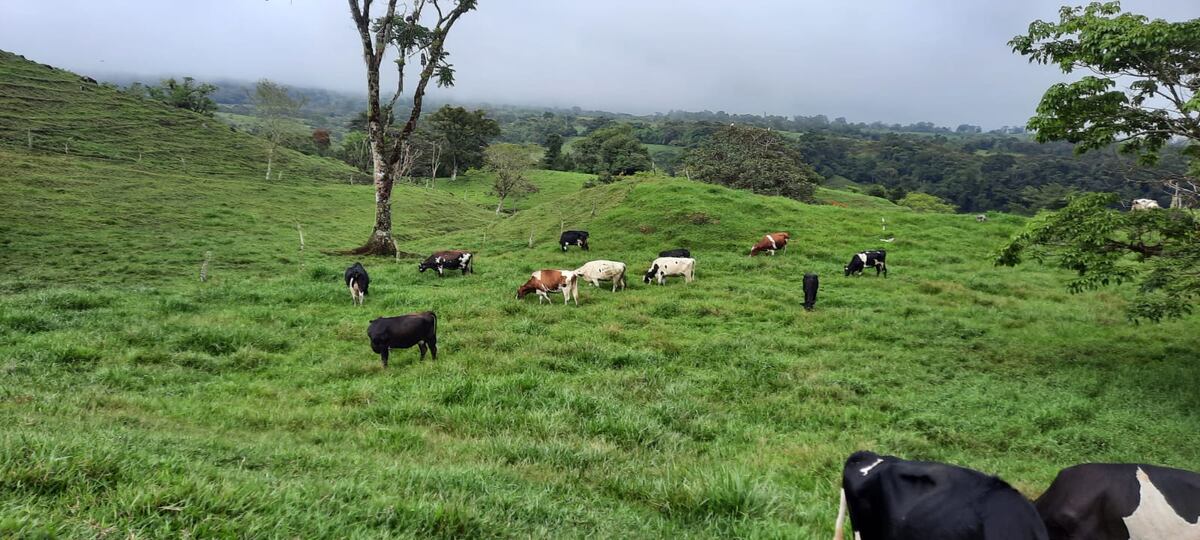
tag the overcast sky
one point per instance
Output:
(944, 61)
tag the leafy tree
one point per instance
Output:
(552, 159)
(356, 150)
(320, 139)
(1158, 64)
(755, 159)
(924, 202)
(465, 133)
(404, 32)
(1142, 88)
(612, 150)
(511, 164)
(275, 109)
(1104, 246)
(185, 95)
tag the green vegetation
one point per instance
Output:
(137, 400)
(754, 159)
(924, 202)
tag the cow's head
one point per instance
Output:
(525, 289)
(583, 243)
(424, 266)
(846, 269)
(650, 274)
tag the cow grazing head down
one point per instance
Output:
(1108, 501)
(650, 274)
(867, 259)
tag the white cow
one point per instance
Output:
(671, 266)
(1145, 204)
(597, 271)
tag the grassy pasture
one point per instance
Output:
(137, 401)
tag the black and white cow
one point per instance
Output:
(1111, 501)
(441, 261)
(682, 252)
(811, 283)
(402, 332)
(670, 266)
(573, 238)
(894, 499)
(357, 281)
(876, 258)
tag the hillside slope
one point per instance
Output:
(138, 402)
(56, 111)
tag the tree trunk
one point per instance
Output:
(380, 242)
(270, 158)
(454, 171)
(499, 206)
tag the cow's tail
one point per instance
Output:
(574, 287)
(841, 517)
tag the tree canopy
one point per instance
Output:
(511, 164)
(611, 150)
(185, 94)
(1159, 64)
(753, 158)
(465, 133)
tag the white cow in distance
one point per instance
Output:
(1145, 204)
(597, 271)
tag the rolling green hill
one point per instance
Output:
(139, 401)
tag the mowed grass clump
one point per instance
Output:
(137, 400)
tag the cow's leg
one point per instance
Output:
(383, 356)
(441, 271)
(841, 518)
(432, 342)
(421, 345)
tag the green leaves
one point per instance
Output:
(1155, 62)
(1104, 246)
(756, 159)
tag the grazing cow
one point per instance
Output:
(671, 266)
(1110, 501)
(682, 252)
(449, 260)
(357, 280)
(770, 243)
(573, 238)
(894, 499)
(1145, 204)
(811, 283)
(860, 261)
(544, 282)
(597, 271)
(981, 218)
(402, 332)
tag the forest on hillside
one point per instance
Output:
(970, 169)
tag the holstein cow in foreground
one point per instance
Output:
(682, 252)
(544, 282)
(671, 266)
(1108, 501)
(597, 271)
(770, 243)
(893, 499)
(860, 261)
(1144, 204)
(402, 332)
(449, 260)
(357, 280)
(573, 238)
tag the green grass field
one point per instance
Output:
(139, 402)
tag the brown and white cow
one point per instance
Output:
(771, 243)
(597, 271)
(544, 282)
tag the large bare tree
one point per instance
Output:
(403, 31)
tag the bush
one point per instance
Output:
(924, 202)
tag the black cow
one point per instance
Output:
(893, 499)
(402, 332)
(573, 238)
(449, 260)
(1126, 501)
(682, 253)
(358, 281)
(811, 283)
(860, 261)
